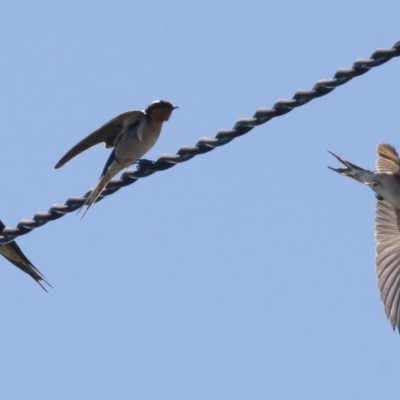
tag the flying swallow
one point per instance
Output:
(132, 134)
(385, 182)
(12, 252)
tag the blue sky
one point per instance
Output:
(245, 273)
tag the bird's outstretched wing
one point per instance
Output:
(388, 159)
(387, 261)
(106, 133)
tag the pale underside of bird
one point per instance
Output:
(12, 252)
(385, 182)
(132, 134)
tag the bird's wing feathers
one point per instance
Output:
(387, 234)
(129, 124)
(108, 163)
(388, 159)
(107, 133)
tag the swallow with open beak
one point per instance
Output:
(132, 134)
(385, 182)
(11, 252)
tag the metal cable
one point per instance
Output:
(205, 144)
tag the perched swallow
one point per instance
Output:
(132, 134)
(385, 182)
(14, 254)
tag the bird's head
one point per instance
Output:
(160, 109)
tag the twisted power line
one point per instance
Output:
(204, 145)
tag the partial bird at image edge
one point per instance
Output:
(385, 182)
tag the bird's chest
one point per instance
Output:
(136, 142)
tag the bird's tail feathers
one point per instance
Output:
(350, 171)
(40, 283)
(94, 195)
(348, 164)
